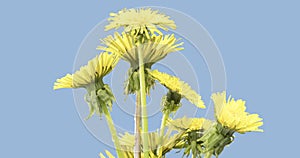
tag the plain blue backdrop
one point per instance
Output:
(259, 42)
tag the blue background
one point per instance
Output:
(259, 42)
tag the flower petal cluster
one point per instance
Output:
(96, 68)
(128, 47)
(175, 84)
(142, 20)
(232, 114)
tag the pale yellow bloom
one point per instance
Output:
(143, 20)
(200, 123)
(232, 114)
(98, 67)
(191, 124)
(154, 49)
(175, 84)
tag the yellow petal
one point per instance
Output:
(232, 114)
(99, 66)
(175, 84)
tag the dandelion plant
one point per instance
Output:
(141, 40)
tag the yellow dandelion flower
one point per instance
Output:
(175, 84)
(98, 67)
(194, 129)
(127, 48)
(232, 114)
(200, 123)
(191, 124)
(143, 20)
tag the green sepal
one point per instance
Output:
(171, 102)
(216, 139)
(192, 144)
(97, 96)
(132, 84)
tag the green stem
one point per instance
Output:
(143, 104)
(208, 155)
(113, 132)
(162, 132)
(137, 119)
(194, 156)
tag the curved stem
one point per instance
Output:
(137, 119)
(113, 132)
(143, 105)
(162, 132)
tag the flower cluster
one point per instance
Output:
(231, 117)
(142, 44)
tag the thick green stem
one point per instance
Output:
(113, 132)
(137, 119)
(143, 104)
(162, 132)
